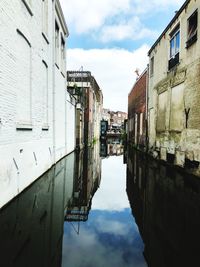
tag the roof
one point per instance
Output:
(138, 79)
(169, 25)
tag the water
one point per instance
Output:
(110, 237)
(166, 204)
(90, 211)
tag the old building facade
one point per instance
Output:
(137, 115)
(32, 92)
(174, 88)
(115, 119)
(89, 100)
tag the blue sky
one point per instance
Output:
(111, 39)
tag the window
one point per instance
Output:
(63, 69)
(45, 96)
(57, 43)
(174, 47)
(151, 66)
(141, 123)
(24, 84)
(175, 44)
(192, 29)
(45, 17)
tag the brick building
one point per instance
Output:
(115, 119)
(137, 123)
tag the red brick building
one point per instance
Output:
(137, 121)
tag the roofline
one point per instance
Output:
(169, 25)
(141, 75)
(61, 17)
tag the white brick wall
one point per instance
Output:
(27, 154)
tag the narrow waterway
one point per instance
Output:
(110, 237)
(92, 209)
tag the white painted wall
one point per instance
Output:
(70, 120)
(27, 112)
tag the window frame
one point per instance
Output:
(193, 37)
(173, 36)
(62, 54)
(174, 58)
(21, 124)
(151, 66)
(57, 43)
(45, 17)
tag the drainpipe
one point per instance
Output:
(147, 109)
(53, 77)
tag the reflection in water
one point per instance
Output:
(110, 237)
(31, 226)
(111, 147)
(166, 206)
(86, 181)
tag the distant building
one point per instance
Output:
(89, 101)
(115, 118)
(137, 120)
(106, 115)
(174, 88)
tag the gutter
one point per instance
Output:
(169, 25)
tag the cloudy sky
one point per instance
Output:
(111, 39)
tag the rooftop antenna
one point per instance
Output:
(137, 71)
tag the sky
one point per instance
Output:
(111, 38)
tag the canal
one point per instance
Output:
(104, 207)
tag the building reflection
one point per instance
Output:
(166, 205)
(111, 147)
(31, 226)
(86, 182)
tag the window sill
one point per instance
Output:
(27, 5)
(45, 127)
(63, 74)
(191, 41)
(45, 37)
(57, 65)
(24, 126)
(173, 62)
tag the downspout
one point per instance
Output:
(65, 99)
(147, 109)
(53, 77)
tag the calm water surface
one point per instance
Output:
(90, 211)
(110, 237)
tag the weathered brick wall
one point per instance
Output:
(172, 130)
(137, 105)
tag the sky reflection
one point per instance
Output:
(110, 237)
(112, 193)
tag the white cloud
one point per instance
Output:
(85, 15)
(131, 29)
(104, 19)
(113, 70)
(114, 227)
